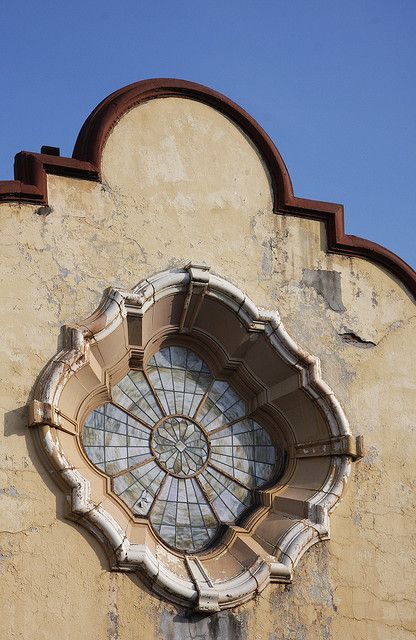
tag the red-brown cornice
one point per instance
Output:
(30, 169)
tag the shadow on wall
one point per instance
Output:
(189, 626)
(15, 423)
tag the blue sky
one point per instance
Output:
(332, 82)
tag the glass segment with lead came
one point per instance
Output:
(180, 448)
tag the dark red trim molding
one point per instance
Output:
(30, 183)
(30, 169)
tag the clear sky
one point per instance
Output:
(331, 81)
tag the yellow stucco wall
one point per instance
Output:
(181, 183)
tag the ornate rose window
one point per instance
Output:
(181, 448)
(193, 438)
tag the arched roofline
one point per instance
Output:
(30, 169)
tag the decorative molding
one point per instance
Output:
(30, 169)
(76, 368)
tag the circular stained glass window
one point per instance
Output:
(180, 448)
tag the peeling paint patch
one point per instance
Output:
(267, 259)
(372, 455)
(5, 559)
(327, 284)
(10, 491)
(113, 618)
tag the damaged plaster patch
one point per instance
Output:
(326, 284)
(352, 338)
(43, 211)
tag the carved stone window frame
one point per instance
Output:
(251, 349)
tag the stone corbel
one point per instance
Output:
(208, 596)
(43, 413)
(197, 288)
(345, 445)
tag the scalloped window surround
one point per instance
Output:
(194, 438)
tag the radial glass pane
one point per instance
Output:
(114, 441)
(228, 498)
(222, 405)
(245, 451)
(180, 379)
(137, 488)
(182, 516)
(134, 394)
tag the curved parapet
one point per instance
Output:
(31, 169)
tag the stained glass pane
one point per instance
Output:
(228, 498)
(222, 405)
(134, 394)
(180, 379)
(182, 516)
(138, 488)
(114, 441)
(245, 451)
(180, 446)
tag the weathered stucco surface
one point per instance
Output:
(182, 183)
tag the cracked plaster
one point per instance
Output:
(213, 206)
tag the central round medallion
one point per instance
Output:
(180, 446)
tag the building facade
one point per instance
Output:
(207, 390)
